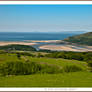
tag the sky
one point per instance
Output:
(45, 18)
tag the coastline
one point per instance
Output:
(3, 43)
(52, 45)
(65, 48)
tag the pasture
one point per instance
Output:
(71, 79)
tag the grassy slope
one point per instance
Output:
(84, 39)
(17, 47)
(60, 62)
(8, 57)
(77, 79)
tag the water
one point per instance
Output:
(17, 36)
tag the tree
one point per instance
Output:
(18, 55)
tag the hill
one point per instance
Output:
(84, 39)
(71, 79)
(18, 47)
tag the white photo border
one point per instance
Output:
(46, 3)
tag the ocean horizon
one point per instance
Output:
(23, 36)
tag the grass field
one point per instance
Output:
(60, 62)
(76, 79)
(73, 79)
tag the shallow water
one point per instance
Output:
(17, 36)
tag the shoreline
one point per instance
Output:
(65, 48)
(52, 45)
(3, 43)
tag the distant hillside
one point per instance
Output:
(17, 47)
(84, 39)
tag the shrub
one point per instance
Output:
(82, 56)
(90, 63)
(25, 54)
(19, 68)
(27, 68)
(72, 68)
(40, 55)
(18, 55)
(17, 47)
(50, 69)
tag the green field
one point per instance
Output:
(72, 79)
(78, 79)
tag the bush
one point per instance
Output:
(19, 55)
(50, 69)
(19, 68)
(27, 68)
(40, 55)
(17, 47)
(25, 54)
(72, 68)
(82, 56)
(90, 63)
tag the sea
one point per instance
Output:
(23, 36)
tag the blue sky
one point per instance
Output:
(45, 18)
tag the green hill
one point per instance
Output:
(18, 47)
(71, 79)
(84, 39)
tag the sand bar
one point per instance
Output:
(64, 48)
(47, 41)
(60, 47)
(20, 43)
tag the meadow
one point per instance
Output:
(81, 78)
(75, 79)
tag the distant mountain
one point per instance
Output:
(79, 32)
(84, 39)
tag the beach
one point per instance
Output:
(65, 48)
(20, 43)
(52, 45)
